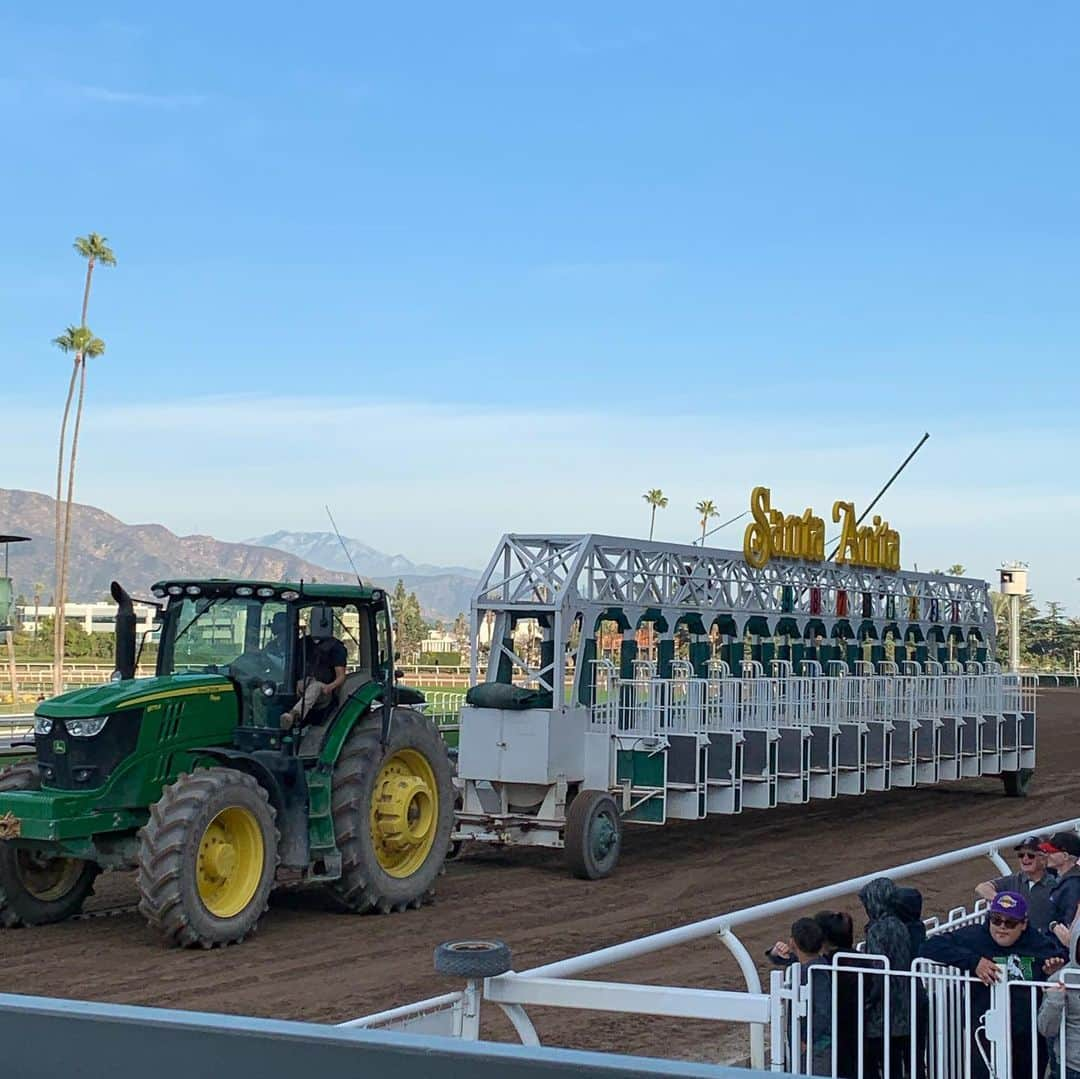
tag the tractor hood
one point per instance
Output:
(130, 693)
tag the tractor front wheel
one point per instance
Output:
(207, 858)
(37, 888)
(393, 809)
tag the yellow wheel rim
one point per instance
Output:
(229, 864)
(47, 878)
(404, 812)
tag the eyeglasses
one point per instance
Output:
(1004, 923)
(1026, 854)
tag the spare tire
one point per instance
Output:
(472, 958)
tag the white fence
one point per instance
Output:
(953, 1031)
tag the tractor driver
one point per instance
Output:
(323, 659)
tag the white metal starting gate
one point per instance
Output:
(758, 687)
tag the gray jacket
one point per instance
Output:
(1054, 1003)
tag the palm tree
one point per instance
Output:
(658, 500)
(94, 248)
(80, 341)
(706, 508)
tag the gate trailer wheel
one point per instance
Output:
(593, 835)
(1017, 783)
(37, 888)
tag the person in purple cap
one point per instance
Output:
(1006, 944)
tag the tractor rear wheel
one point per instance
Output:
(207, 858)
(393, 809)
(37, 888)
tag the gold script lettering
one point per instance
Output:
(757, 540)
(773, 534)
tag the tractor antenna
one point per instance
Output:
(343, 547)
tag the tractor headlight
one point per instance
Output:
(42, 725)
(86, 728)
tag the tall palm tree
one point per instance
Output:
(95, 249)
(85, 346)
(658, 500)
(707, 510)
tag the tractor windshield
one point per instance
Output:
(244, 637)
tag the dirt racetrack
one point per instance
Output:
(307, 962)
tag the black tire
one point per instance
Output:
(472, 958)
(365, 885)
(593, 835)
(1017, 784)
(36, 889)
(172, 845)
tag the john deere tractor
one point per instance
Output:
(194, 779)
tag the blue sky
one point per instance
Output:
(502, 269)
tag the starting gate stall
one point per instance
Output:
(658, 681)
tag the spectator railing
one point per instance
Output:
(560, 984)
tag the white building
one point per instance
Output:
(93, 617)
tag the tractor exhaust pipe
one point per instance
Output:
(125, 632)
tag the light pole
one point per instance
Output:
(1014, 585)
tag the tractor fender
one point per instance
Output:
(284, 782)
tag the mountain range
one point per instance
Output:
(324, 549)
(104, 549)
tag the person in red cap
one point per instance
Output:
(1062, 851)
(1004, 943)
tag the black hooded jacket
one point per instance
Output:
(887, 935)
(909, 903)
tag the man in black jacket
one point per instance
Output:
(1062, 851)
(323, 660)
(1004, 945)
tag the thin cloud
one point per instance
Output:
(131, 97)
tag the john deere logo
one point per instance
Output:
(59, 746)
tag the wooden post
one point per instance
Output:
(11, 668)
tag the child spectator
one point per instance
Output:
(839, 933)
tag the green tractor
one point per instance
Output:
(197, 779)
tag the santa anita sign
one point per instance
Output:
(773, 534)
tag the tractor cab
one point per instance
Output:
(265, 639)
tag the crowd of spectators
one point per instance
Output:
(1030, 933)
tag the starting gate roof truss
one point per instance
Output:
(587, 574)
